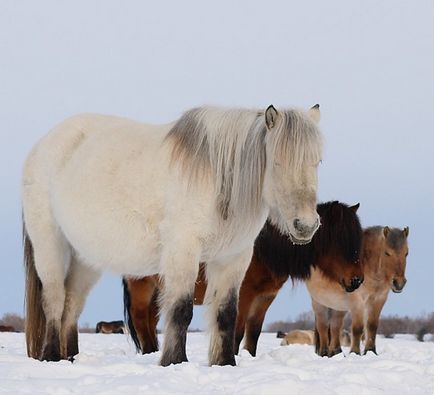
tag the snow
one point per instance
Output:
(108, 364)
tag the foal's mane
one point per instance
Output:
(340, 235)
(229, 145)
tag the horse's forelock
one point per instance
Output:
(396, 238)
(297, 141)
(341, 232)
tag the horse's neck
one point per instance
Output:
(374, 269)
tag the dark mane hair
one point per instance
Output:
(339, 236)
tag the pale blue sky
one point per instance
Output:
(370, 65)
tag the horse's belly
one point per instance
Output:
(124, 247)
(108, 201)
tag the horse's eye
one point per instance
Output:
(387, 253)
(406, 254)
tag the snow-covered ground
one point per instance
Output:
(107, 364)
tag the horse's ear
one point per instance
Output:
(355, 207)
(406, 231)
(314, 113)
(270, 117)
(386, 231)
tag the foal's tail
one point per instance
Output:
(127, 314)
(35, 317)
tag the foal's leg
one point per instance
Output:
(373, 311)
(336, 324)
(179, 270)
(224, 280)
(256, 319)
(321, 329)
(79, 281)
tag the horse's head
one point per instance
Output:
(290, 184)
(339, 241)
(395, 257)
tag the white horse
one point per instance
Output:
(106, 193)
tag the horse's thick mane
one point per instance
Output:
(229, 145)
(340, 235)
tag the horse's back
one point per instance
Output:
(100, 180)
(298, 336)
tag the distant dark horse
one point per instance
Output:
(110, 327)
(7, 328)
(334, 249)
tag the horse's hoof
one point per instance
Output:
(334, 352)
(50, 357)
(370, 349)
(168, 361)
(355, 352)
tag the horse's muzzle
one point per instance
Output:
(398, 286)
(355, 283)
(304, 233)
(296, 241)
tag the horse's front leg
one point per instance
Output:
(356, 328)
(321, 329)
(179, 269)
(224, 281)
(373, 309)
(336, 324)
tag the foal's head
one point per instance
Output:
(293, 152)
(394, 259)
(339, 243)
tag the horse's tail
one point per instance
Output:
(127, 315)
(35, 316)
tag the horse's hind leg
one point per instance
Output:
(50, 253)
(79, 281)
(255, 320)
(179, 271)
(336, 324)
(224, 280)
(143, 313)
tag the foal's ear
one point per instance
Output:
(270, 117)
(386, 231)
(314, 113)
(355, 207)
(406, 231)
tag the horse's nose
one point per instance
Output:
(356, 282)
(300, 227)
(399, 286)
(297, 224)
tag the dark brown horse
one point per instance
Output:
(334, 249)
(7, 328)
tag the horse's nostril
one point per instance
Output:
(356, 282)
(296, 223)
